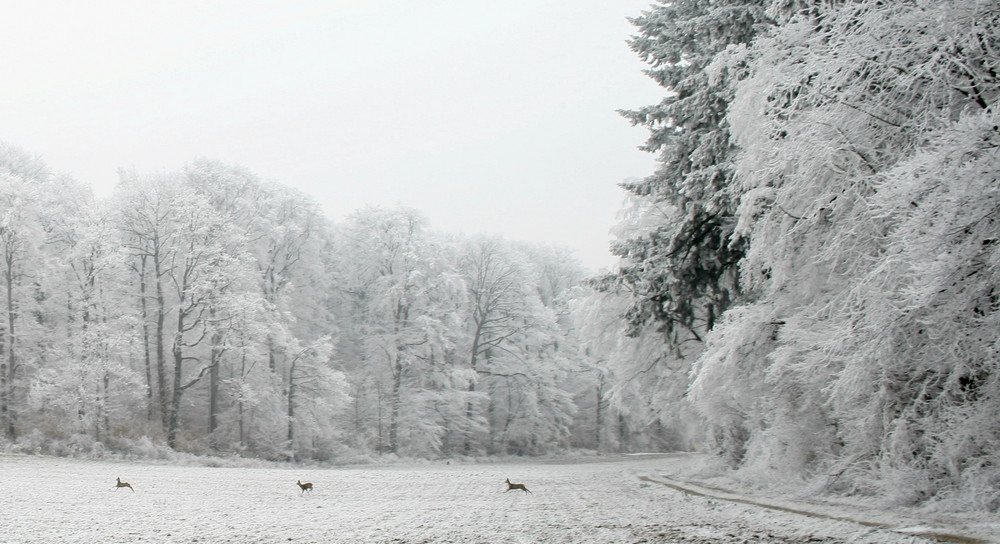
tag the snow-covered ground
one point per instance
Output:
(634, 499)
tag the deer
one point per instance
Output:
(511, 487)
(304, 486)
(123, 484)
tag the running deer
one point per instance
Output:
(123, 484)
(511, 486)
(304, 486)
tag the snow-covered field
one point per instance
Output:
(46, 500)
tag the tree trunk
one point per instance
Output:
(178, 352)
(358, 426)
(470, 412)
(239, 403)
(213, 382)
(381, 437)
(470, 408)
(623, 434)
(400, 321)
(291, 412)
(7, 388)
(599, 416)
(396, 400)
(3, 379)
(272, 363)
(101, 422)
(175, 400)
(143, 306)
(161, 358)
(213, 398)
(491, 420)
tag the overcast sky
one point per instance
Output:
(488, 117)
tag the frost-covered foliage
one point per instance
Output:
(208, 312)
(678, 269)
(681, 266)
(637, 382)
(865, 354)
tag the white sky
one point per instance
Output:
(493, 117)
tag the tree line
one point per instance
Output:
(208, 311)
(814, 266)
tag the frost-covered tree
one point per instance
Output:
(283, 307)
(512, 348)
(867, 173)
(208, 311)
(681, 266)
(206, 262)
(679, 258)
(23, 180)
(626, 405)
(315, 393)
(283, 229)
(149, 234)
(402, 297)
(89, 373)
(497, 289)
(196, 259)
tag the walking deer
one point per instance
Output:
(304, 486)
(511, 486)
(123, 484)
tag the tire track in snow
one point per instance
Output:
(720, 494)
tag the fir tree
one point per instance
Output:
(678, 258)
